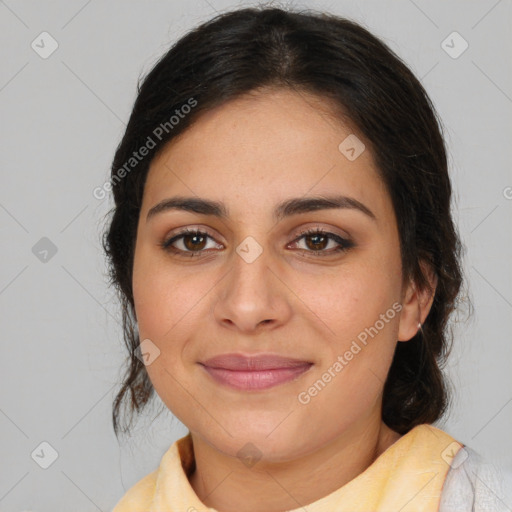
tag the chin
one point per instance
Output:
(250, 443)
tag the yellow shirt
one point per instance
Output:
(407, 477)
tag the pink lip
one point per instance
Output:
(262, 371)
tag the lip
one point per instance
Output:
(256, 372)
(239, 361)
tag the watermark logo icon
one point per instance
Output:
(351, 147)
(44, 455)
(454, 45)
(249, 455)
(44, 250)
(453, 456)
(249, 250)
(147, 352)
(44, 45)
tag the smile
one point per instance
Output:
(256, 379)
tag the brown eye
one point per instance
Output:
(317, 241)
(194, 242)
(189, 243)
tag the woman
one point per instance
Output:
(287, 263)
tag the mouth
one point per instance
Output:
(258, 372)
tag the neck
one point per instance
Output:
(224, 484)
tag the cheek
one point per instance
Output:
(359, 311)
(357, 351)
(164, 305)
(165, 301)
(353, 297)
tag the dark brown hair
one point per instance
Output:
(340, 61)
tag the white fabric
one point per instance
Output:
(473, 485)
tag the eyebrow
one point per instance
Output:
(293, 206)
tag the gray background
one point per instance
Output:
(62, 118)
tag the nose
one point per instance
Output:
(252, 297)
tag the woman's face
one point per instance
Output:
(252, 283)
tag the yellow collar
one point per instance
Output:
(407, 477)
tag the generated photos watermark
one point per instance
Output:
(343, 360)
(143, 151)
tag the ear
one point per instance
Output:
(416, 304)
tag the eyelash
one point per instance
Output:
(344, 244)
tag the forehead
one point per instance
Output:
(262, 148)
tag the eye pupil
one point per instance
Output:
(316, 237)
(193, 245)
